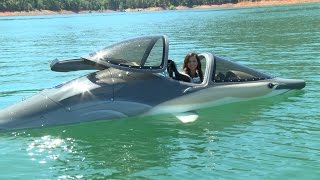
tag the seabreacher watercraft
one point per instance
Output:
(135, 78)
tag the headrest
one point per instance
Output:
(172, 65)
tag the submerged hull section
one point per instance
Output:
(49, 113)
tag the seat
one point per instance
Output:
(231, 75)
(175, 74)
(220, 76)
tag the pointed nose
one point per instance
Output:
(290, 83)
(28, 113)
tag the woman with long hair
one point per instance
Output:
(192, 67)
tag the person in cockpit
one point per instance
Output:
(192, 67)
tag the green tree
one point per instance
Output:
(53, 5)
(79, 5)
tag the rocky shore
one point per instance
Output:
(243, 4)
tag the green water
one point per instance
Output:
(275, 138)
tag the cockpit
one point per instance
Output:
(149, 54)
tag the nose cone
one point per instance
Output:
(26, 114)
(290, 83)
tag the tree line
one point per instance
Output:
(99, 5)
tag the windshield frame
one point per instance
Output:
(116, 63)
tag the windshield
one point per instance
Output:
(227, 71)
(147, 54)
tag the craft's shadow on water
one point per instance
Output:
(133, 146)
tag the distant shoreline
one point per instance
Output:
(237, 5)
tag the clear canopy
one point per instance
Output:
(146, 54)
(227, 71)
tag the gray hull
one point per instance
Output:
(135, 78)
(107, 100)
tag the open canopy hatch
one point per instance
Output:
(148, 54)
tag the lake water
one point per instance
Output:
(275, 138)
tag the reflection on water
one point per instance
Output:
(264, 139)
